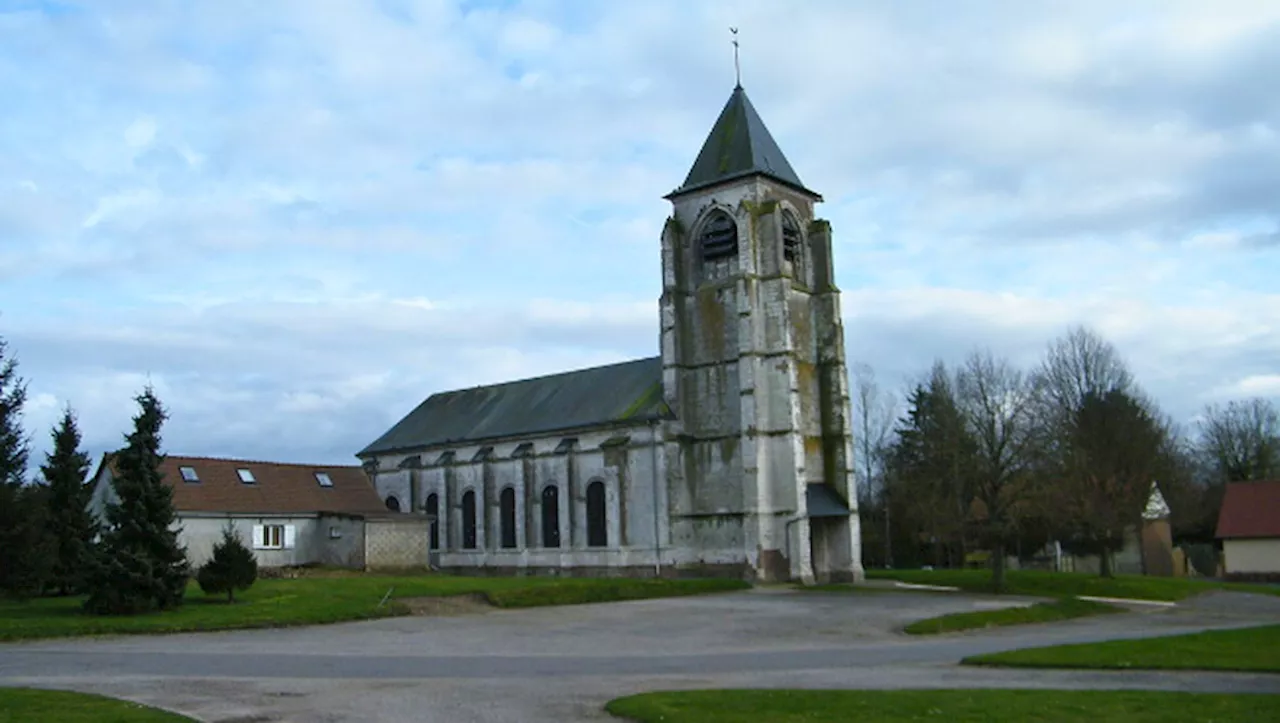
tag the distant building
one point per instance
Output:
(288, 514)
(730, 453)
(1249, 527)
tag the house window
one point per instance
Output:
(274, 537)
(507, 513)
(246, 476)
(469, 520)
(719, 237)
(189, 474)
(393, 503)
(550, 516)
(790, 237)
(323, 479)
(597, 518)
(433, 511)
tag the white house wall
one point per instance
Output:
(1256, 557)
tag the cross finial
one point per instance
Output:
(737, 67)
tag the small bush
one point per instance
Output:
(232, 567)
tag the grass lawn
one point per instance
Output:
(333, 598)
(1063, 609)
(1249, 649)
(966, 706)
(29, 705)
(1067, 584)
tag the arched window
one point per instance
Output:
(719, 237)
(507, 513)
(550, 516)
(469, 520)
(791, 237)
(597, 516)
(393, 503)
(433, 511)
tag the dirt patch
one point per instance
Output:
(449, 605)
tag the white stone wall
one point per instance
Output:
(627, 472)
(754, 363)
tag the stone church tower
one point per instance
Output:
(759, 457)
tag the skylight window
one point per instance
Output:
(323, 479)
(189, 474)
(246, 476)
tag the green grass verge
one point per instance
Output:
(965, 706)
(333, 598)
(1244, 649)
(29, 705)
(1064, 609)
(1070, 584)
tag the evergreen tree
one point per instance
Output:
(140, 566)
(24, 548)
(70, 522)
(232, 567)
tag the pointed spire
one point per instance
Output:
(739, 145)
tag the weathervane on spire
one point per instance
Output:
(737, 68)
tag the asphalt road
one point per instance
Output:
(562, 664)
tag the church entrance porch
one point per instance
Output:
(832, 541)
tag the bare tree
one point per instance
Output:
(996, 402)
(1103, 441)
(1240, 442)
(1077, 364)
(873, 420)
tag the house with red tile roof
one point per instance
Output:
(288, 514)
(1249, 527)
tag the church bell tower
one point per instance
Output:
(759, 457)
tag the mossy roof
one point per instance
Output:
(739, 145)
(599, 396)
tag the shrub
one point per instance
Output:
(232, 567)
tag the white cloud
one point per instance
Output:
(301, 223)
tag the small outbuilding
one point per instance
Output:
(288, 514)
(1249, 527)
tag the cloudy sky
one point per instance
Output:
(298, 219)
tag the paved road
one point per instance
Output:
(562, 664)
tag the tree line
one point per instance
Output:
(989, 460)
(128, 562)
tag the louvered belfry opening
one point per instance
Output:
(719, 237)
(790, 237)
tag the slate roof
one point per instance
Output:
(279, 488)
(617, 393)
(1250, 509)
(739, 145)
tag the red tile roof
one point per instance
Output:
(278, 488)
(1250, 509)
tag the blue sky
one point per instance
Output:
(298, 219)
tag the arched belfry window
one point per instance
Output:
(597, 516)
(393, 503)
(719, 237)
(550, 516)
(791, 238)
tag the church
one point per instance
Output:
(728, 454)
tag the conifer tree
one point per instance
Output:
(140, 565)
(232, 567)
(24, 549)
(70, 523)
